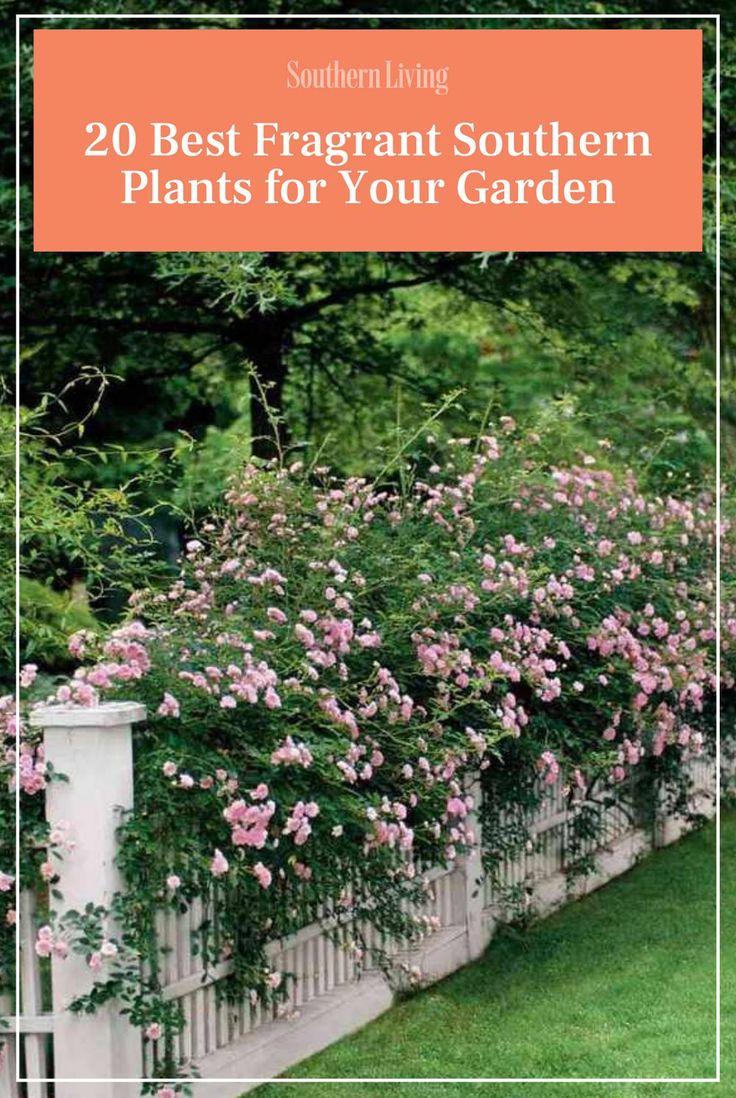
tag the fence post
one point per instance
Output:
(93, 749)
(467, 896)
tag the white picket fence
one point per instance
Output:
(235, 1046)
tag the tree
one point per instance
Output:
(153, 319)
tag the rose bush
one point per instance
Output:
(339, 658)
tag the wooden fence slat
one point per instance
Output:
(184, 968)
(8, 1086)
(34, 1045)
(198, 996)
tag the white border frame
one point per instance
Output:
(285, 18)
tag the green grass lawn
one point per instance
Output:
(620, 984)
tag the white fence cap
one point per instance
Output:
(106, 715)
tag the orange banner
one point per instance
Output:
(395, 140)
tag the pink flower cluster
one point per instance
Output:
(124, 659)
(23, 753)
(47, 944)
(249, 822)
(352, 653)
(298, 822)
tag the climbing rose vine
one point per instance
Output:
(339, 658)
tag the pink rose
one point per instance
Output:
(44, 946)
(263, 875)
(219, 864)
(169, 707)
(28, 674)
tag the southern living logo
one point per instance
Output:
(393, 76)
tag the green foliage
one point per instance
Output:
(79, 540)
(356, 651)
(49, 617)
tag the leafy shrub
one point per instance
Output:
(338, 658)
(48, 619)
